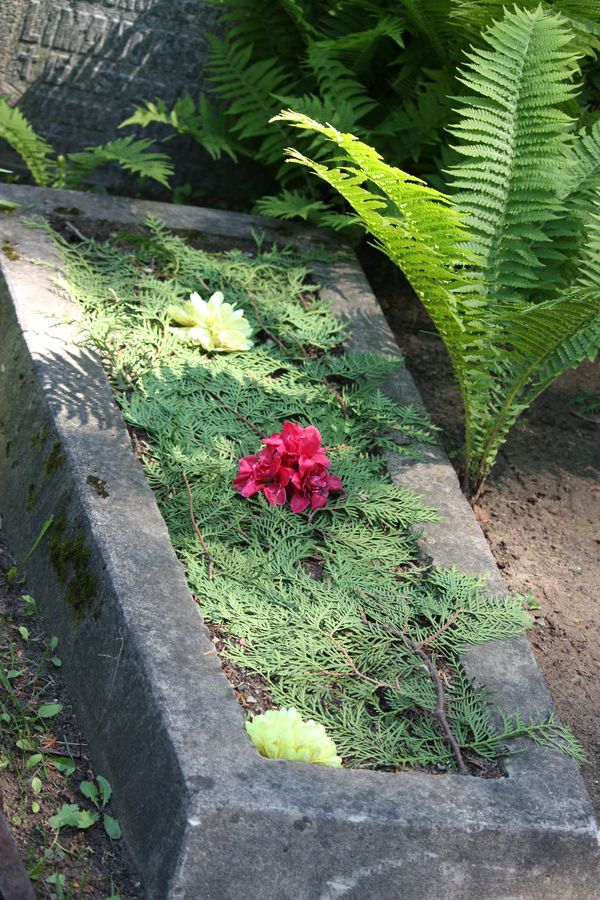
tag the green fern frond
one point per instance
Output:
(587, 266)
(365, 41)
(582, 169)
(249, 88)
(582, 17)
(264, 27)
(204, 122)
(336, 80)
(349, 16)
(545, 339)
(297, 15)
(509, 266)
(514, 136)
(33, 150)
(430, 19)
(410, 128)
(132, 155)
(413, 223)
(347, 224)
(289, 204)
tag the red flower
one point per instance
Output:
(264, 472)
(298, 445)
(293, 465)
(311, 486)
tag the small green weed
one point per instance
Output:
(38, 758)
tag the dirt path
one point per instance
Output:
(540, 511)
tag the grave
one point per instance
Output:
(203, 814)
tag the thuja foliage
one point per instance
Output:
(331, 609)
(49, 169)
(507, 259)
(383, 70)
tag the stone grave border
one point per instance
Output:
(203, 814)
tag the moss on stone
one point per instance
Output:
(99, 486)
(70, 557)
(9, 250)
(31, 497)
(39, 437)
(55, 461)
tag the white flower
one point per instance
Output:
(282, 734)
(215, 325)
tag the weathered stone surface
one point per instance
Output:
(76, 68)
(204, 815)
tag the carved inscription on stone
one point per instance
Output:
(76, 67)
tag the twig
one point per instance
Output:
(440, 710)
(592, 420)
(338, 395)
(62, 753)
(356, 670)
(211, 562)
(232, 409)
(264, 328)
(447, 624)
(75, 231)
(158, 352)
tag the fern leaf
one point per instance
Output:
(289, 204)
(420, 230)
(409, 129)
(249, 88)
(414, 224)
(582, 16)
(203, 122)
(263, 26)
(582, 168)
(337, 81)
(133, 156)
(545, 340)
(33, 150)
(587, 264)
(429, 19)
(514, 136)
(296, 13)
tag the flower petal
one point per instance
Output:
(275, 494)
(299, 502)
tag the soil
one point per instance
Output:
(92, 866)
(539, 509)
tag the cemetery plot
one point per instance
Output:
(148, 685)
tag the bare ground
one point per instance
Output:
(87, 862)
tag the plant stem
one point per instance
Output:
(440, 709)
(211, 562)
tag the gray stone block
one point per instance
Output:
(203, 814)
(77, 68)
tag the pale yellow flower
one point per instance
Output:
(282, 734)
(215, 325)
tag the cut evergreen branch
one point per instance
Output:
(507, 261)
(332, 609)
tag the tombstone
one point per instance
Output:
(77, 68)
